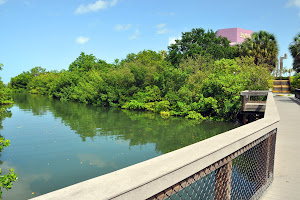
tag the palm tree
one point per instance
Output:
(263, 47)
(295, 51)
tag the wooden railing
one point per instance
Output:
(251, 105)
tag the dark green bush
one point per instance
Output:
(295, 82)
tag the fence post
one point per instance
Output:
(267, 165)
(223, 182)
(272, 145)
(243, 102)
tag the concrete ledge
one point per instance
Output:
(145, 179)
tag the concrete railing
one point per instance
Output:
(220, 167)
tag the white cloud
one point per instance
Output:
(94, 7)
(135, 35)
(113, 2)
(161, 29)
(160, 26)
(172, 40)
(2, 2)
(94, 159)
(295, 3)
(124, 27)
(82, 40)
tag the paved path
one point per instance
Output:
(286, 184)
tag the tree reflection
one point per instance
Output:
(137, 127)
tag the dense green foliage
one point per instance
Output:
(263, 47)
(295, 82)
(295, 51)
(6, 180)
(198, 88)
(196, 42)
(21, 81)
(5, 98)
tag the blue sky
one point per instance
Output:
(52, 33)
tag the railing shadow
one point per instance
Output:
(295, 100)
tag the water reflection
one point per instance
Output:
(56, 144)
(138, 128)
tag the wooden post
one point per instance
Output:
(223, 182)
(243, 102)
(245, 118)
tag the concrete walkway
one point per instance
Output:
(286, 184)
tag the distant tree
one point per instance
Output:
(5, 98)
(263, 47)
(196, 42)
(36, 71)
(21, 81)
(145, 66)
(163, 53)
(84, 63)
(295, 51)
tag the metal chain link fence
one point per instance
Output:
(245, 174)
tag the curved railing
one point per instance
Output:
(237, 164)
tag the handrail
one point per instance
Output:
(152, 177)
(258, 106)
(255, 92)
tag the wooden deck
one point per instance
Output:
(250, 106)
(286, 184)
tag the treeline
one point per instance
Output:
(5, 98)
(295, 52)
(201, 77)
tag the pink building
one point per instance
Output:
(235, 35)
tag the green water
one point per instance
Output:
(56, 144)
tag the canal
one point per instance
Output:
(56, 144)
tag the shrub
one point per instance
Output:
(295, 82)
(134, 105)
